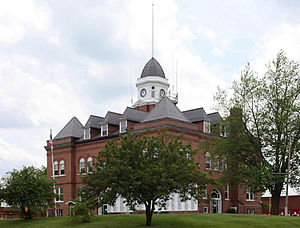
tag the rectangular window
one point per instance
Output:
(216, 162)
(60, 212)
(59, 195)
(206, 127)
(62, 167)
(205, 192)
(104, 130)
(86, 134)
(249, 195)
(123, 126)
(224, 163)
(207, 160)
(222, 131)
(227, 192)
(205, 210)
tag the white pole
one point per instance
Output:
(152, 30)
(52, 157)
(287, 179)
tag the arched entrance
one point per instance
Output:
(216, 203)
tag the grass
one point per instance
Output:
(162, 220)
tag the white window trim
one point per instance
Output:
(59, 193)
(84, 133)
(80, 161)
(55, 163)
(59, 171)
(216, 166)
(120, 126)
(205, 130)
(207, 155)
(102, 129)
(249, 193)
(89, 160)
(206, 210)
(227, 190)
(224, 161)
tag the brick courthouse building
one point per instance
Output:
(76, 145)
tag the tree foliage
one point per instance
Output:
(29, 189)
(81, 211)
(145, 170)
(262, 118)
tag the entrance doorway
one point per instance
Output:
(216, 203)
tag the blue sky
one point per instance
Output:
(60, 59)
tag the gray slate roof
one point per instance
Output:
(134, 114)
(153, 68)
(214, 117)
(72, 129)
(94, 122)
(111, 118)
(196, 115)
(165, 109)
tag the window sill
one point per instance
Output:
(59, 201)
(227, 199)
(63, 175)
(79, 174)
(249, 200)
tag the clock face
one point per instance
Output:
(143, 92)
(162, 93)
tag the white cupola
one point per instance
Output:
(152, 85)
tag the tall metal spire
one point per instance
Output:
(152, 30)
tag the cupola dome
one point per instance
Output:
(153, 68)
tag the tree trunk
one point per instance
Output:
(149, 213)
(275, 199)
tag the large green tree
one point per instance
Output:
(28, 188)
(145, 169)
(262, 120)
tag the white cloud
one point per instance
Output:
(204, 31)
(286, 37)
(218, 52)
(225, 42)
(19, 17)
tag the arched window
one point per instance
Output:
(55, 167)
(82, 165)
(207, 161)
(62, 167)
(89, 165)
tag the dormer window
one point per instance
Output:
(104, 130)
(123, 126)
(206, 127)
(86, 134)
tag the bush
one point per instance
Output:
(80, 212)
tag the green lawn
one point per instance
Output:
(163, 220)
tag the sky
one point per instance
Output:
(60, 59)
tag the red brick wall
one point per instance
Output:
(71, 153)
(293, 204)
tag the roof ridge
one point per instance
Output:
(167, 111)
(193, 109)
